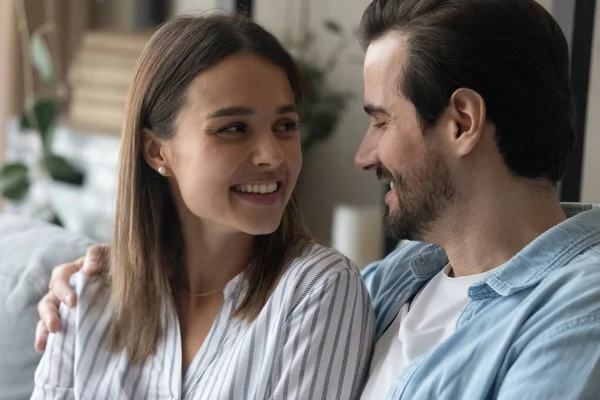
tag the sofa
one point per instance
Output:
(28, 251)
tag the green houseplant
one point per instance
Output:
(324, 104)
(39, 114)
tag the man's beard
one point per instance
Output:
(423, 194)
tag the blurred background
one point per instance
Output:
(65, 66)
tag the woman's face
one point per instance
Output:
(235, 156)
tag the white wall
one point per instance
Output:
(112, 14)
(590, 190)
(548, 4)
(187, 6)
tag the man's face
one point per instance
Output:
(404, 156)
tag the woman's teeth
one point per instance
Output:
(263, 188)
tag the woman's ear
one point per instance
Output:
(153, 152)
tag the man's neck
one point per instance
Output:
(489, 228)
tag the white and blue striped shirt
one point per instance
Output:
(312, 340)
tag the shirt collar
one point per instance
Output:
(430, 260)
(551, 250)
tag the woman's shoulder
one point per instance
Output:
(319, 256)
(317, 266)
(90, 290)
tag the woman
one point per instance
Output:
(213, 288)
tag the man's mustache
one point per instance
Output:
(384, 174)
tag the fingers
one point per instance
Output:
(61, 291)
(41, 337)
(48, 312)
(95, 260)
(59, 282)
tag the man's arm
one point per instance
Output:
(562, 364)
(388, 278)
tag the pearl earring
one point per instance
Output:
(162, 171)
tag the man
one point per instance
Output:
(472, 126)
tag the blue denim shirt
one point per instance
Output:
(530, 331)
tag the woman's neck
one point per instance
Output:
(212, 256)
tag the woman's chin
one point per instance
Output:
(261, 227)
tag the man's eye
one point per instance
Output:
(379, 124)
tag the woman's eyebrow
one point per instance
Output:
(232, 112)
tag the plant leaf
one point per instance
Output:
(14, 181)
(333, 27)
(63, 171)
(312, 79)
(56, 220)
(41, 58)
(319, 127)
(307, 41)
(24, 122)
(46, 113)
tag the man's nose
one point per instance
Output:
(366, 157)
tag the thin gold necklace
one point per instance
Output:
(182, 290)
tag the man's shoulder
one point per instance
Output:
(392, 281)
(394, 269)
(580, 271)
(577, 279)
(567, 299)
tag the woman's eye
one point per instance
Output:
(287, 127)
(233, 129)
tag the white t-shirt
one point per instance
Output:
(418, 327)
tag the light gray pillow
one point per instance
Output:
(29, 249)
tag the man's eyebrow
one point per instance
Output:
(371, 109)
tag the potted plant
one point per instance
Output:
(324, 104)
(39, 117)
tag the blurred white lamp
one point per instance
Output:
(358, 233)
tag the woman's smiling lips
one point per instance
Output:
(264, 191)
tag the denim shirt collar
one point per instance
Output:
(431, 260)
(550, 251)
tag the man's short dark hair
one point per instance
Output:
(512, 52)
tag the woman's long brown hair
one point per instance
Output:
(147, 244)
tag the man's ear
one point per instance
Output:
(468, 113)
(154, 152)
